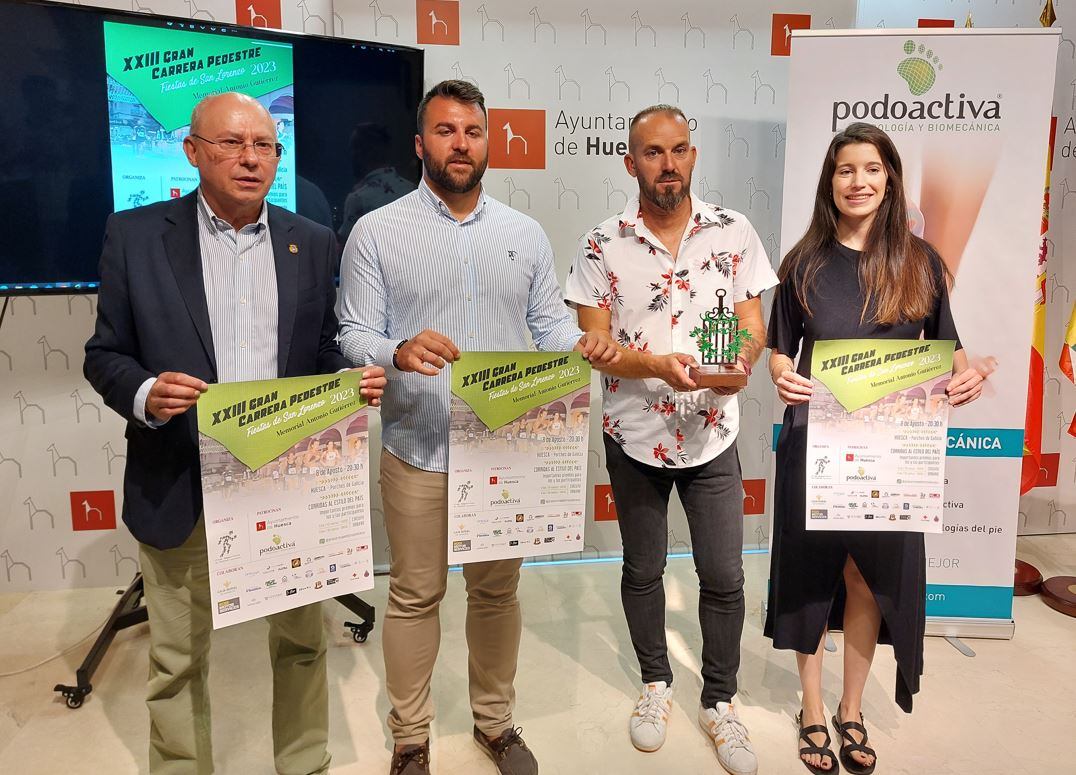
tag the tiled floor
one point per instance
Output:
(1008, 711)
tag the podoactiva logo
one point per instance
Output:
(918, 66)
(919, 69)
(278, 544)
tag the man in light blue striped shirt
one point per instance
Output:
(443, 269)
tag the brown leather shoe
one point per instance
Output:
(411, 760)
(508, 752)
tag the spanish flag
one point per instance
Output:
(1032, 460)
(1068, 354)
(1068, 349)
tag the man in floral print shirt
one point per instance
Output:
(648, 275)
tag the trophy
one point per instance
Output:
(720, 340)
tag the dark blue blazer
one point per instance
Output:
(152, 317)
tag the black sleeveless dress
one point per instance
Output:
(806, 583)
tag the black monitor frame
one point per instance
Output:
(200, 25)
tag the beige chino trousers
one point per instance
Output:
(416, 519)
(177, 596)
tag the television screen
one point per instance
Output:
(97, 103)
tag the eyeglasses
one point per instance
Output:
(230, 148)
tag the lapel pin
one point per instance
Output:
(293, 248)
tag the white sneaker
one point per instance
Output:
(729, 736)
(650, 719)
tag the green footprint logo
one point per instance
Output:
(919, 70)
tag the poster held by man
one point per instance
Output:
(285, 491)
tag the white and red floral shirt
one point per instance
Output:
(655, 301)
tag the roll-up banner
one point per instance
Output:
(969, 111)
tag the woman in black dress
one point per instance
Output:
(857, 273)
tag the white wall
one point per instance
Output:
(716, 64)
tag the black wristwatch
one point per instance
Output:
(395, 352)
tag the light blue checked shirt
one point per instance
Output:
(486, 282)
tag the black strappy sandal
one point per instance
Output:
(821, 750)
(849, 744)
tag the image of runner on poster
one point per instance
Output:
(285, 485)
(517, 456)
(877, 429)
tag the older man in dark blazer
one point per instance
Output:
(218, 286)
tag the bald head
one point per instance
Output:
(645, 117)
(232, 143)
(217, 106)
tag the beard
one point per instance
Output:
(669, 200)
(453, 182)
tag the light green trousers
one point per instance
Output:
(177, 596)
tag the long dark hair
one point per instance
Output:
(897, 270)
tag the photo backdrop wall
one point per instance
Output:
(564, 77)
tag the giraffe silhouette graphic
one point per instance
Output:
(111, 455)
(57, 458)
(920, 69)
(118, 558)
(380, 16)
(91, 513)
(33, 510)
(65, 561)
(510, 136)
(10, 564)
(255, 17)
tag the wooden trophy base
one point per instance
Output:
(1060, 594)
(1026, 579)
(722, 375)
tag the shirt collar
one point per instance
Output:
(426, 195)
(222, 225)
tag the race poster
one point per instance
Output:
(285, 483)
(518, 437)
(155, 77)
(877, 427)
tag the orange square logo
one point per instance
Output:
(754, 496)
(516, 139)
(781, 31)
(438, 22)
(1048, 468)
(604, 505)
(93, 510)
(258, 13)
(937, 23)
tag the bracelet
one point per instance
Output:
(396, 352)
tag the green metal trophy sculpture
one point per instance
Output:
(720, 340)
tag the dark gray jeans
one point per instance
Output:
(712, 495)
